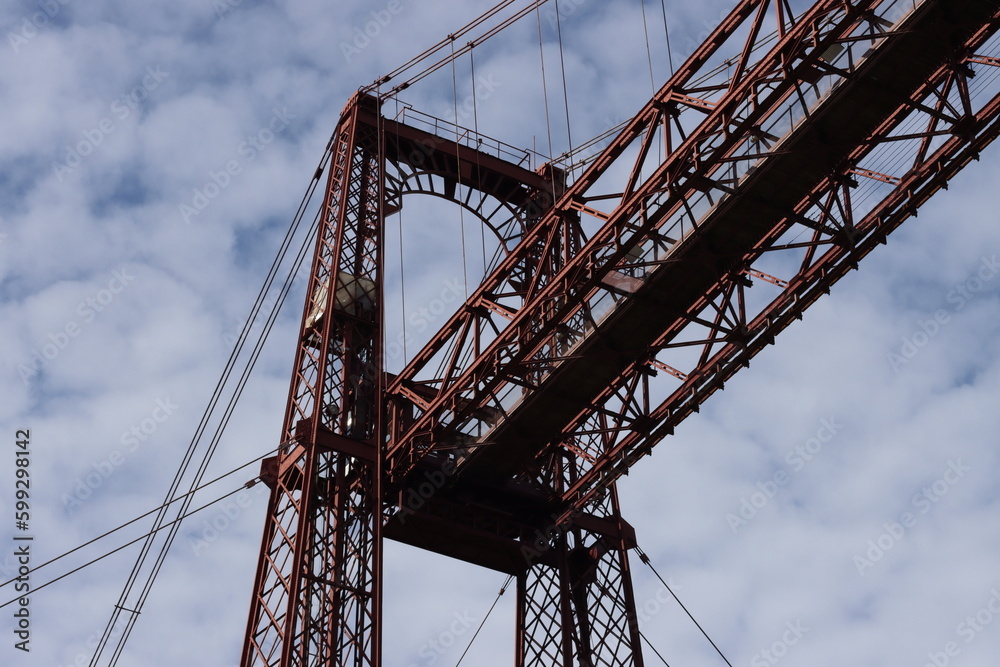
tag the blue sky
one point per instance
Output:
(778, 512)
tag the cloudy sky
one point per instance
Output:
(153, 156)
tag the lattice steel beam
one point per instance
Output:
(762, 172)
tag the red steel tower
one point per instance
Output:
(784, 150)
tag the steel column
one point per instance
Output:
(317, 594)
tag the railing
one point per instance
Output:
(650, 252)
(469, 138)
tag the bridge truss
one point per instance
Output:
(786, 148)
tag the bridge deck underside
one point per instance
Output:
(481, 515)
(845, 119)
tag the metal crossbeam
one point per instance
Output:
(784, 151)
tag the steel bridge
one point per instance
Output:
(634, 281)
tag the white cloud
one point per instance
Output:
(168, 333)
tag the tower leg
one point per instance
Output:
(317, 595)
(575, 604)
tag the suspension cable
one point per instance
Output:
(213, 445)
(645, 559)
(142, 516)
(545, 90)
(402, 283)
(461, 208)
(430, 51)
(649, 52)
(666, 33)
(562, 67)
(503, 589)
(207, 415)
(650, 645)
(430, 69)
(130, 543)
(475, 126)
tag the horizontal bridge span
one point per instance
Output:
(558, 386)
